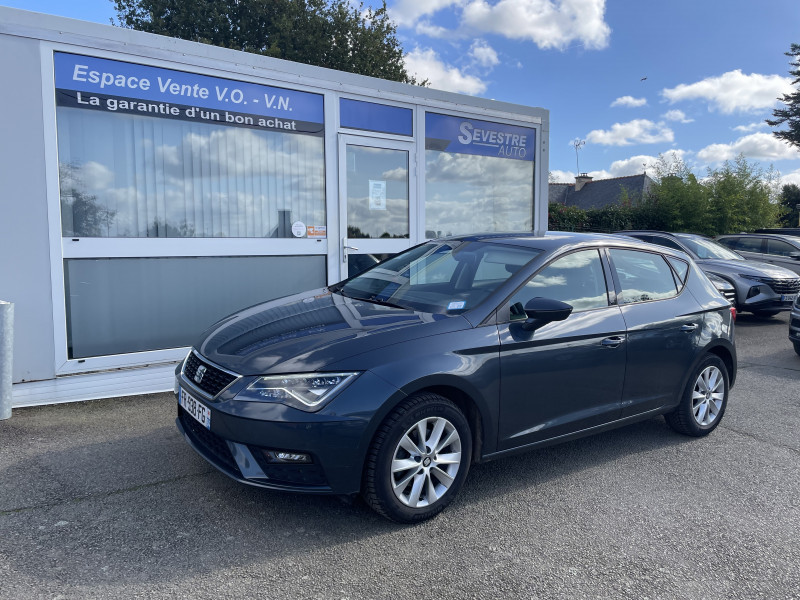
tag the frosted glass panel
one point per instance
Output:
(122, 305)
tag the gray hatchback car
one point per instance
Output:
(392, 383)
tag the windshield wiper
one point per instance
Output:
(372, 299)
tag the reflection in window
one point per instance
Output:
(576, 279)
(469, 193)
(136, 176)
(377, 192)
(643, 276)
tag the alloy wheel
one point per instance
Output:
(425, 462)
(708, 395)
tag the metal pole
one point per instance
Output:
(6, 354)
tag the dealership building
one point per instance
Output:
(149, 186)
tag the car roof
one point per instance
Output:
(794, 239)
(553, 240)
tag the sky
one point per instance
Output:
(624, 80)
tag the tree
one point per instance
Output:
(790, 115)
(742, 197)
(790, 199)
(327, 33)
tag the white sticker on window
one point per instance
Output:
(458, 305)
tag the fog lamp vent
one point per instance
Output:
(284, 457)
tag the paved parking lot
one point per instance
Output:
(104, 500)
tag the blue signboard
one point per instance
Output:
(115, 86)
(371, 116)
(461, 135)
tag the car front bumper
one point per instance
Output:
(242, 434)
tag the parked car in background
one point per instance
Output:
(461, 350)
(781, 250)
(794, 326)
(761, 288)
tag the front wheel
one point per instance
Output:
(765, 314)
(704, 399)
(796, 347)
(418, 460)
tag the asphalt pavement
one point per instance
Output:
(104, 499)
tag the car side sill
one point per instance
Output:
(576, 434)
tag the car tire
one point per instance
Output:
(765, 314)
(704, 399)
(796, 347)
(418, 459)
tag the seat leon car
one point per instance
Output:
(393, 382)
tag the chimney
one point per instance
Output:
(581, 180)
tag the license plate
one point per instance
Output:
(788, 297)
(197, 409)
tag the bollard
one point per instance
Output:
(6, 354)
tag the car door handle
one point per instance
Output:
(612, 342)
(689, 327)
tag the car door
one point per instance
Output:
(568, 375)
(663, 328)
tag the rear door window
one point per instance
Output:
(643, 276)
(780, 248)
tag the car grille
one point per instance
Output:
(209, 441)
(214, 379)
(730, 295)
(782, 286)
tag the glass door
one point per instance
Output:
(377, 200)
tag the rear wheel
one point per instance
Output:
(418, 460)
(704, 399)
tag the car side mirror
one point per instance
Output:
(794, 255)
(541, 311)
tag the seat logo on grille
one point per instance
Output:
(198, 376)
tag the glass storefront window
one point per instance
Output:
(131, 176)
(478, 176)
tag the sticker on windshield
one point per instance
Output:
(458, 305)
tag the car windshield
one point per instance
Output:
(704, 248)
(439, 277)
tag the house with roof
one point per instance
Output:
(587, 193)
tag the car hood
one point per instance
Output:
(308, 331)
(744, 267)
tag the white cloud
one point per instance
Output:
(407, 12)
(638, 131)
(793, 177)
(750, 127)
(635, 165)
(677, 115)
(733, 91)
(425, 64)
(763, 146)
(547, 23)
(629, 101)
(431, 30)
(483, 54)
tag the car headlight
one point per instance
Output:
(306, 391)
